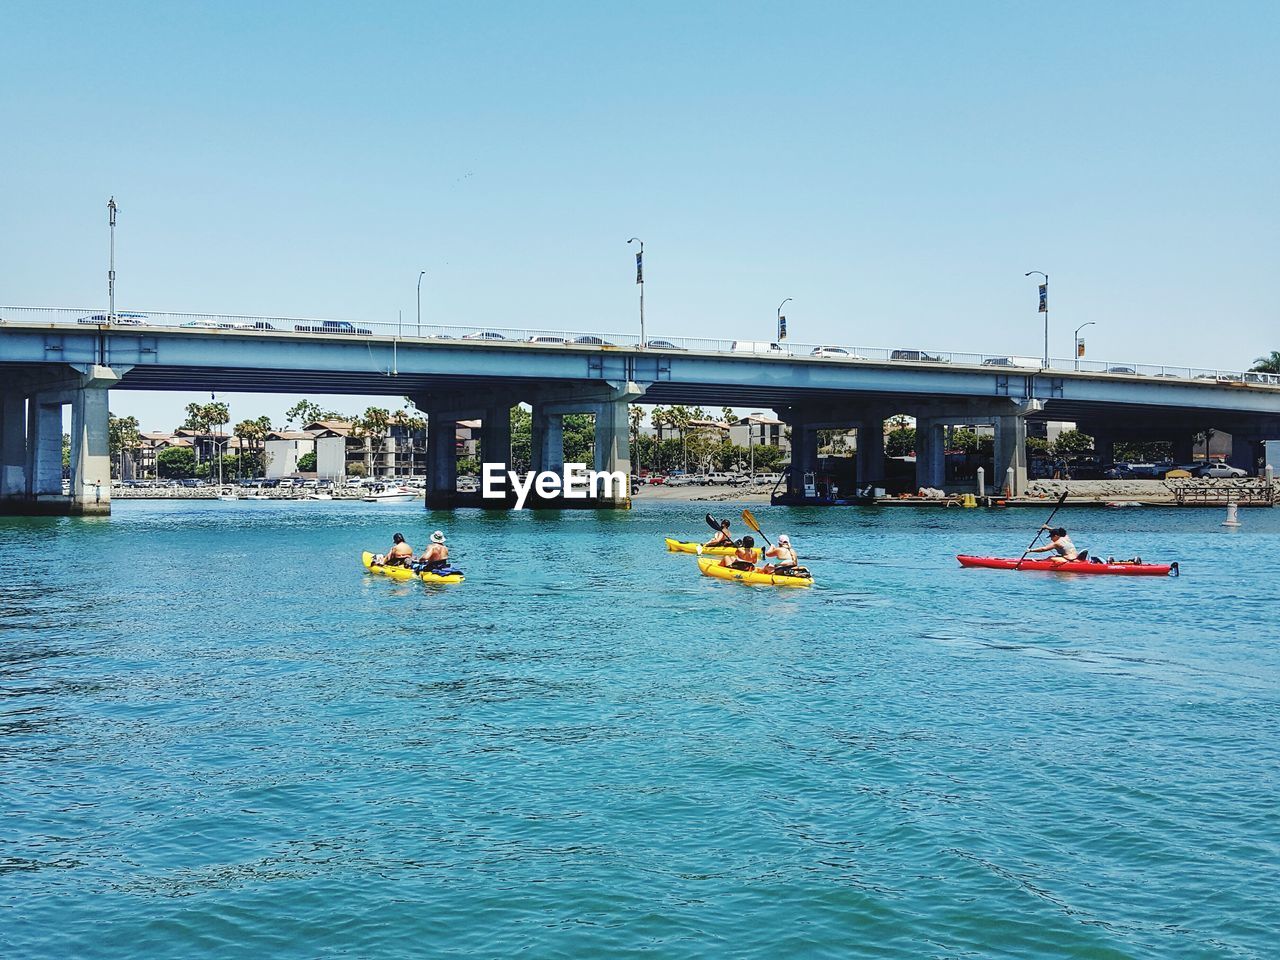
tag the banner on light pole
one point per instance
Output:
(640, 267)
(782, 328)
(1044, 298)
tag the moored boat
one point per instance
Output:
(391, 495)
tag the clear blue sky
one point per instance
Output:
(895, 168)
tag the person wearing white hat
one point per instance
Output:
(784, 554)
(435, 556)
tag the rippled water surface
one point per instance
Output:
(220, 737)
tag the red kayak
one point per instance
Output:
(1118, 569)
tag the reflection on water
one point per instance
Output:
(219, 737)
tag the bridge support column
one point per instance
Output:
(870, 463)
(1104, 447)
(442, 459)
(13, 450)
(1246, 451)
(804, 450)
(495, 435)
(613, 450)
(31, 442)
(90, 452)
(610, 402)
(931, 451)
(547, 451)
(1010, 452)
(1184, 445)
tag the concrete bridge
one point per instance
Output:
(50, 358)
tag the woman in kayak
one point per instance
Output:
(745, 557)
(1061, 544)
(435, 556)
(784, 554)
(722, 538)
(399, 554)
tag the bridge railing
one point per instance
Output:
(412, 331)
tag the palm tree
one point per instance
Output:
(1269, 364)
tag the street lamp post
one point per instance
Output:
(640, 281)
(1077, 340)
(421, 274)
(1044, 308)
(782, 330)
(111, 270)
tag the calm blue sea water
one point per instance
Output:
(219, 737)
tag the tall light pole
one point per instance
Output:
(1077, 340)
(421, 274)
(111, 270)
(640, 281)
(782, 321)
(1044, 308)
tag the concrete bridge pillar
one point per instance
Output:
(613, 447)
(31, 442)
(1246, 451)
(1010, 452)
(548, 440)
(442, 459)
(804, 449)
(870, 461)
(1184, 445)
(90, 453)
(931, 451)
(1104, 447)
(495, 435)
(13, 447)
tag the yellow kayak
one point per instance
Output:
(712, 568)
(679, 546)
(404, 573)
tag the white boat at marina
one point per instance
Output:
(320, 496)
(391, 495)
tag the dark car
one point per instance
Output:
(1129, 370)
(662, 345)
(333, 326)
(593, 341)
(919, 356)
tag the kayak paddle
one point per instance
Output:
(1061, 499)
(749, 518)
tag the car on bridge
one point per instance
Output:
(256, 325)
(124, 319)
(756, 346)
(662, 345)
(1129, 370)
(484, 335)
(916, 356)
(593, 341)
(333, 326)
(835, 353)
(547, 339)
(206, 325)
(1012, 362)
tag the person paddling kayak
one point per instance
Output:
(435, 556)
(745, 557)
(399, 554)
(784, 554)
(722, 538)
(1060, 544)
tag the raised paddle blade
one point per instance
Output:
(750, 519)
(713, 523)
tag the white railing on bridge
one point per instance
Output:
(412, 331)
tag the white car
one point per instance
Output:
(835, 353)
(1218, 470)
(756, 346)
